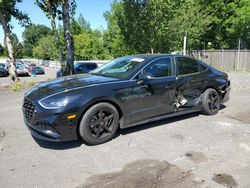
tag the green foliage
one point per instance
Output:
(240, 22)
(230, 21)
(8, 9)
(22, 85)
(16, 86)
(114, 41)
(46, 48)
(44, 6)
(159, 26)
(191, 19)
(145, 26)
(84, 24)
(31, 35)
(3, 51)
(17, 46)
(80, 25)
(90, 46)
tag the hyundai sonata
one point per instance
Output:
(125, 92)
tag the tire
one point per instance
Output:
(210, 102)
(99, 124)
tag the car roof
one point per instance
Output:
(82, 62)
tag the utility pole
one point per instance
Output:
(185, 44)
(238, 62)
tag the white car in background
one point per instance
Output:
(22, 70)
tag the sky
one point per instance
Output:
(92, 10)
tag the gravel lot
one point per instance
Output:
(185, 152)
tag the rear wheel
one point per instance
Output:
(99, 124)
(210, 102)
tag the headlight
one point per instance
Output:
(55, 102)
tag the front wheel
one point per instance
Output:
(99, 124)
(210, 102)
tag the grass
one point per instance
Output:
(15, 87)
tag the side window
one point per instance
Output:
(82, 68)
(202, 67)
(186, 65)
(91, 66)
(159, 68)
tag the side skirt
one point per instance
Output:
(161, 117)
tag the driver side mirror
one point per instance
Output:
(145, 77)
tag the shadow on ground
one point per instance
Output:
(78, 143)
(155, 124)
(59, 145)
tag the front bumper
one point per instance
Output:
(225, 95)
(49, 126)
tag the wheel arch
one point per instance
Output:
(112, 101)
(212, 87)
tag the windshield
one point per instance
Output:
(119, 68)
(2, 66)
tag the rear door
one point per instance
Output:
(189, 82)
(154, 97)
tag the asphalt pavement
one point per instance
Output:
(186, 152)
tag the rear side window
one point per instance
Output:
(186, 66)
(83, 67)
(202, 67)
(92, 66)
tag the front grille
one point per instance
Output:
(29, 109)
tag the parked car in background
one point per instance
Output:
(125, 92)
(38, 70)
(22, 70)
(80, 67)
(3, 70)
(31, 66)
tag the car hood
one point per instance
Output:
(47, 88)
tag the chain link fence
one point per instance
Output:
(225, 60)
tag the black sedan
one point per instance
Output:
(80, 67)
(125, 92)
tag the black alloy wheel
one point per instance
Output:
(99, 124)
(210, 102)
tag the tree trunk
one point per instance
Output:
(8, 43)
(53, 26)
(68, 38)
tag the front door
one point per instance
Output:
(154, 97)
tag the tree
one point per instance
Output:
(114, 41)
(84, 24)
(230, 21)
(191, 19)
(31, 36)
(17, 46)
(50, 8)
(3, 51)
(80, 25)
(67, 8)
(240, 22)
(9, 10)
(90, 46)
(46, 48)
